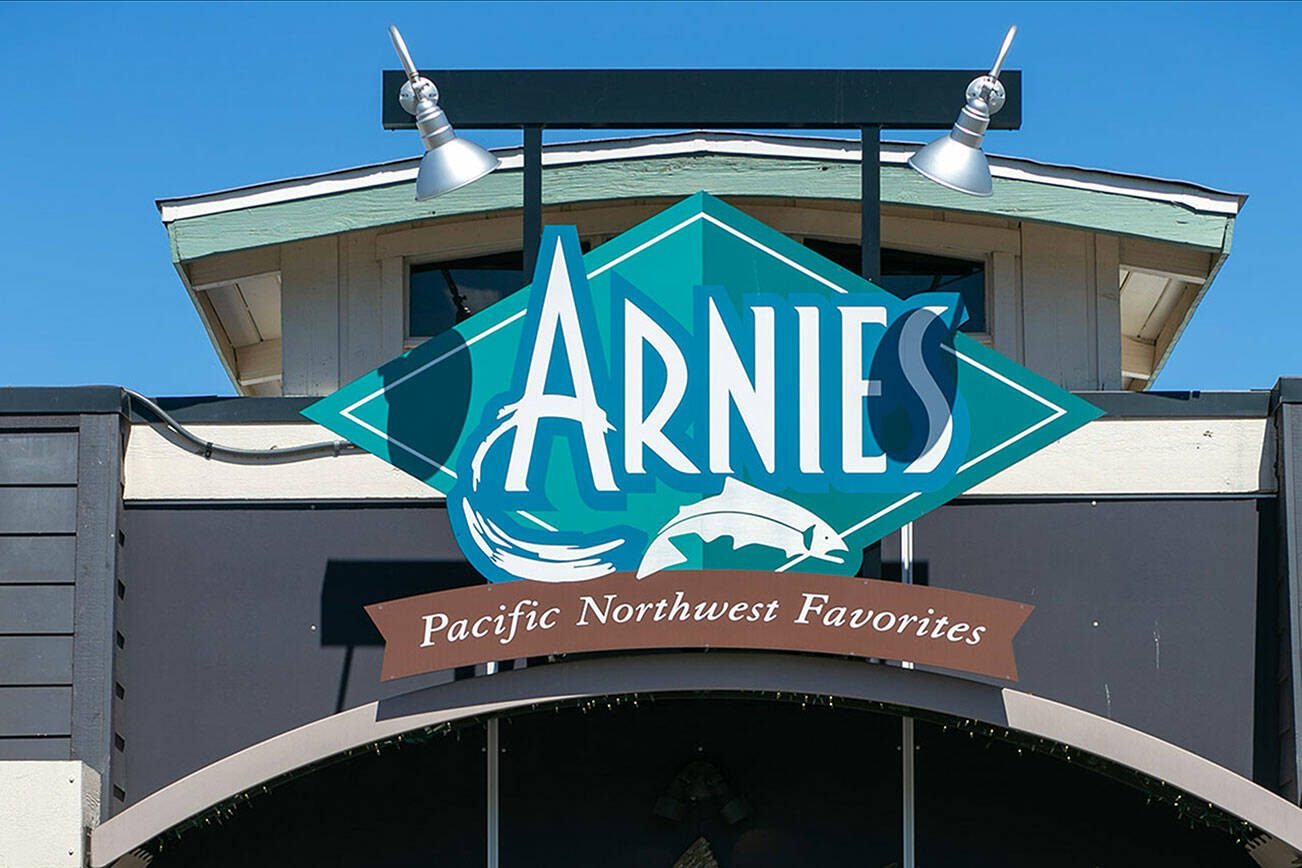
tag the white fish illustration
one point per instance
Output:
(750, 517)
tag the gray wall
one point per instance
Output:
(249, 622)
(245, 622)
(1146, 610)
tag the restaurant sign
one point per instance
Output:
(699, 397)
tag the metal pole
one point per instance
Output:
(906, 723)
(532, 196)
(870, 203)
(870, 240)
(493, 801)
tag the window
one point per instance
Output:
(442, 294)
(906, 274)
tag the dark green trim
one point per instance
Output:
(684, 99)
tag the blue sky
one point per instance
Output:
(108, 107)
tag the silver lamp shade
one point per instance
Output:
(955, 160)
(450, 164)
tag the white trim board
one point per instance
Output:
(1105, 457)
(699, 142)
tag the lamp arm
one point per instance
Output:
(400, 46)
(1003, 52)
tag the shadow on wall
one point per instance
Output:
(349, 586)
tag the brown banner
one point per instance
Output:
(700, 609)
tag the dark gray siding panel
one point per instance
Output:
(244, 623)
(39, 457)
(35, 660)
(38, 510)
(35, 710)
(35, 609)
(35, 748)
(1146, 611)
(60, 499)
(31, 559)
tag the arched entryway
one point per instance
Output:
(683, 764)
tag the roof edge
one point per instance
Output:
(1188, 194)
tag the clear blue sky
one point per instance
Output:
(104, 108)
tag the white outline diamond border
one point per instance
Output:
(348, 411)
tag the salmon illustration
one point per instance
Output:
(750, 517)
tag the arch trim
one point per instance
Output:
(692, 672)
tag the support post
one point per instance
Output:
(1287, 407)
(493, 831)
(906, 723)
(532, 196)
(870, 203)
(870, 262)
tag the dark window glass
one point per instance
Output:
(906, 274)
(443, 293)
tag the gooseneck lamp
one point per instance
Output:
(450, 162)
(955, 160)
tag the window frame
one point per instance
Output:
(985, 257)
(996, 243)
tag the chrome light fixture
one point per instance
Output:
(449, 162)
(955, 160)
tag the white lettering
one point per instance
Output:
(430, 629)
(940, 421)
(810, 607)
(855, 388)
(648, 432)
(807, 346)
(730, 385)
(559, 314)
(589, 603)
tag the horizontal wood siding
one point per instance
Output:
(38, 550)
(37, 457)
(28, 711)
(40, 510)
(28, 660)
(27, 560)
(27, 609)
(23, 748)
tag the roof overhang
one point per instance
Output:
(1174, 235)
(197, 230)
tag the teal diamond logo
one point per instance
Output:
(701, 392)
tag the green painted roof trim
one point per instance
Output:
(678, 176)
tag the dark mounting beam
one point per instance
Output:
(694, 98)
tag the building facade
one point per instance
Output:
(189, 676)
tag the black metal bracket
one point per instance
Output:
(900, 99)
